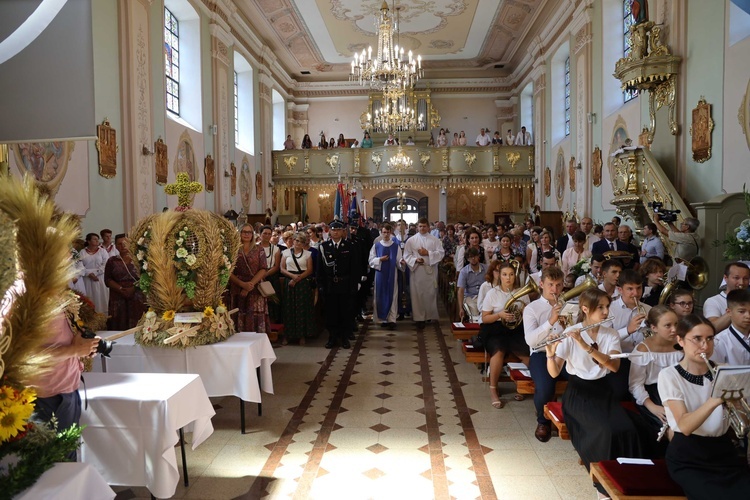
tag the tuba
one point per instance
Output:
(669, 284)
(737, 409)
(589, 282)
(515, 307)
(697, 272)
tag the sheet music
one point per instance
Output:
(731, 378)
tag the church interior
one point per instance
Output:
(107, 101)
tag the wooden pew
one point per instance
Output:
(553, 412)
(649, 482)
(469, 330)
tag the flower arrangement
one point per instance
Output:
(737, 244)
(188, 257)
(41, 240)
(141, 253)
(581, 267)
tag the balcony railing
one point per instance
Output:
(500, 165)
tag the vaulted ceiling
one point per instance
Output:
(456, 38)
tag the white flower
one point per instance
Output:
(225, 248)
(185, 228)
(182, 233)
(140, 241)
(139, 255)
(181, 253)
(221, 310)
(179, 241)
(150, 314)
(190, 260)
(145, 265)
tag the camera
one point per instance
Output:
(104, 347)
(664, 214)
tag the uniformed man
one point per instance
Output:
(338, 273)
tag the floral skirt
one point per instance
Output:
(253, 312)
(297, 307)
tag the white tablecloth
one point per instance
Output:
(132, 425)
(226, 368)
(71, 481)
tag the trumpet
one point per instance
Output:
(553, 339)
(737, 409)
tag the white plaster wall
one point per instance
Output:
(334, 118)
(174, 130)
(468, 114)
(735, 144)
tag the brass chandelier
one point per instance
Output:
(389, 69)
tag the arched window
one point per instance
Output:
(567, 96)
(236, 111)
(182, 63)
(244, 124)
(627, 22)
(172, 60)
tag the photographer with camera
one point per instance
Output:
(57, 389)
(687, 243)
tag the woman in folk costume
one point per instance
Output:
(385, 258)
(249, 270)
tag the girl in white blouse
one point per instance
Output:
(700, 456)
(498, 338)
(600, 429)
(657, 353)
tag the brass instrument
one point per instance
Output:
(669, 284)
(515, 307)
(619, 254)
(697, 272)
(737, 409)
(553, 339)
(589, 282)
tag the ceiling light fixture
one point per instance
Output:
(389, 68)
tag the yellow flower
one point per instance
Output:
(11, 423)
(168, 315)
(7, 396)
(208, 312)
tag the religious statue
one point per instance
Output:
(233, 187)
(274, 198)
(639, 11)
(701, 130)
(572, 173)
(547, 182)
(258, 186)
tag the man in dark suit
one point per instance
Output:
(338, 274)
(610, 243)
(566, 240)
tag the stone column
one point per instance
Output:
(582, 57)
(264, 126)
(539, 76)
(137, 120)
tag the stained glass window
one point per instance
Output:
(567, 96)
(627, 22)
(172, 61)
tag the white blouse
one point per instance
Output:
(582, 364)
(645, 369)
(290, 265)
(486, 287)
(674, 387)
(496, 298)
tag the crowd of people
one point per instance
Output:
(627, 340)
(523, 138)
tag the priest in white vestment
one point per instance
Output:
(385, 258)
(422, 253)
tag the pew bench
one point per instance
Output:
(525, 385)
(469, 330)
(636, 482)
(553, 412)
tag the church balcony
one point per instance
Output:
(511, 166)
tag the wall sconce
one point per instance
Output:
(146, 151)
(579, 166)
(591, 117)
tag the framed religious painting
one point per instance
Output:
(274, 198)
(547, 182)
(258, 186)
(46, 162)
(700, 130)
(233, 180)
(106, 145)
(209, 173)
(161, 161)
(560, 177)
(596, 166)
(572, 173)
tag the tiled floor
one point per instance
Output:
(400, 415)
